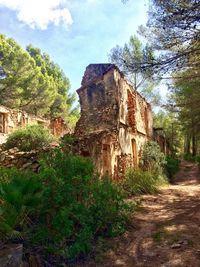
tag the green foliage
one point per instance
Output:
(153, 160)
(141, 182)
(22, 84)
(31, 81)
(19, 197)
(171, 129)
(63, 100)
(78, 206)
(191, 158)
(128, 58)
(75, 207)
(185, 97)
(66, 142)
(172, 166)
(29, 138)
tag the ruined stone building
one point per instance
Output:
(115, 120)
(11, 119)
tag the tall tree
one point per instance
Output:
(63, 101)
(173, 29)
(168, 122)
(186, 97)
(22, 85)
(134, 53)
(30, 81)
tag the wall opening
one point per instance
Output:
(106, 159)
(3, 123)
(85, 153)
(134, 151)
(24, 120)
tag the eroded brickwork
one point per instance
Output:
(115, 120)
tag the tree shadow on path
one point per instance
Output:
(167, 231)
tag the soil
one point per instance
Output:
(166, 230)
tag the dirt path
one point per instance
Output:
(168, 228)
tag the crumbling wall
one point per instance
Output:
(59, 127)
(115, 120)
(11, 119)
(21, 160)
(99, 105)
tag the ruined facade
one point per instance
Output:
(11, 119)
(115, 120)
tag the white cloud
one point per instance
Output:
(40, 13)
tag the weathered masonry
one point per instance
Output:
(115, 120)
(11, 119)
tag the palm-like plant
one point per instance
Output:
(19, 196)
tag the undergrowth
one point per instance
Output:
(139, 182)
(29, 137)
(61, 211)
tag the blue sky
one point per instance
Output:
(74, 33)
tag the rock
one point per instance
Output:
(151, 254)
(175, 246)
(26, 165)
(10, 157)
(185, 242)
(2, 157)
(35, 166)
(11, 255)
(13, 150)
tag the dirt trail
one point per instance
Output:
(167, 230)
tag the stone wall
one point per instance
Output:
(115, 120)
(11, 119)
(99, 105)
(18, 159)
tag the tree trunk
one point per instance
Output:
(187, 144)
(193, 145)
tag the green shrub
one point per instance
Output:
(29, 138)
(19, 196)
(172, 166)
(189, 157)
(74, 210)
(141, 182)
(66, 143)
(153, 160)
(197, 160)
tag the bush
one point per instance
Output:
(172, 166)
(197, 160)
(66, 143)
(141, 182)
(75, 207)
(29, 138)
(189, 157)
(153, 160)
(19, 197)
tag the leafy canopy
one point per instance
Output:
(132, 54)
(31, 81)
